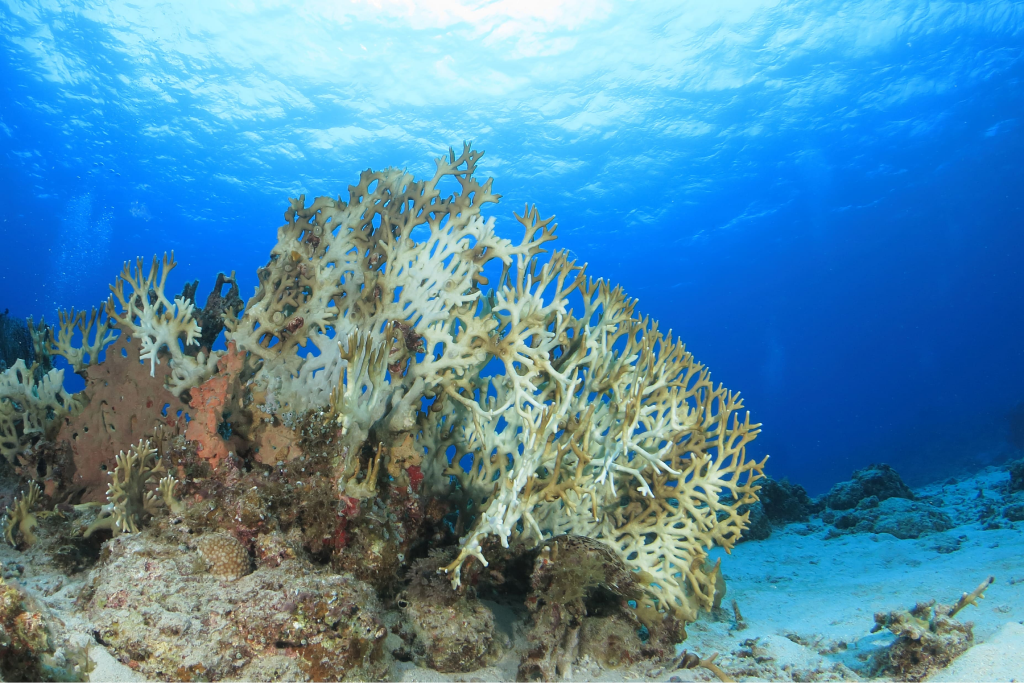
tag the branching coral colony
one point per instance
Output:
(368, 355)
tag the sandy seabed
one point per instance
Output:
(807, 601)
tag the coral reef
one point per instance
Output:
(1014, 512)
(453, 630)
(23, 638)
(96, 329)
(579, 606)
(759, 526)
(49, 464)
(159, 611)
(877, 501)
(779, 503)
(125, 404)
(1015, 424)
(1016, 470)
(216, 425)
(379, 423)
(218, 307)
(225, 555)
(30, 650)
(130, 501)
(164, 327)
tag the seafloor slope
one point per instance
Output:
(800, 604)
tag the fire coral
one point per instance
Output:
(598, 423)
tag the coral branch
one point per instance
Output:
(20, 517)
(129, 501)
(31, 409)
(710, 665)
(973, 597)
(97, 328)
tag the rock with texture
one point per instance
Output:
(881, 481)
(158, 610)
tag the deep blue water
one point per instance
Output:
(824, 199)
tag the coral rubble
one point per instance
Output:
(927, 637)
(382, 424)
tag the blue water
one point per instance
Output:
(824, 199)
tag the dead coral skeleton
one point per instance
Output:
(20, 518)
(129, 501)
(927, 636)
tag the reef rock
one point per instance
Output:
(158, 610)
(1014, 512)
(1016, 470)
(32, 644)
(579, 607)
(454, 631)
(759, 526)
(897, 516)
(784, 502)
(881, 481)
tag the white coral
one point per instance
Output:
(164, 327)
(599, 424)
(28, 409)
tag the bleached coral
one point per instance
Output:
(31, 409)
(97, 330)
(600, 425)
(341, 271)
(631, 405)
(163, 326)
(370, 314)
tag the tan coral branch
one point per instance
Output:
(20, 517)
(973, 597)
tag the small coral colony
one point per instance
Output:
(382, 411)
